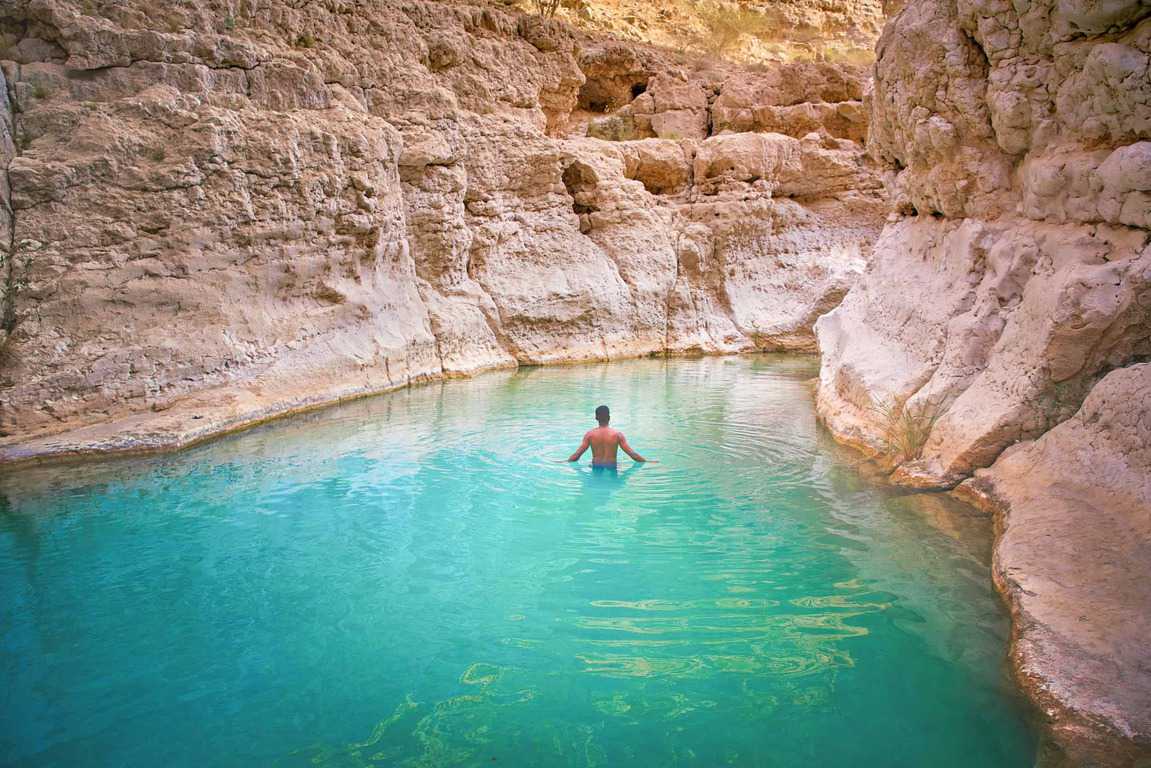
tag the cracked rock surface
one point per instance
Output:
(748, 30)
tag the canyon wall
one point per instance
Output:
(1003, 327)
(217, 213)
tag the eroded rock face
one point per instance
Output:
(997, 328)
(643, 94)
(239, 215)
(1023, 273)
(1012, 283)
(1076, 539)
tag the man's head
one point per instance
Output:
(602, 415)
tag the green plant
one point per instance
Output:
(906, 428)
(723, 31)
(229, 22)
(305, 40)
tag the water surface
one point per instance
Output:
(410, 581)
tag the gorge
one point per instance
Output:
(215, 213)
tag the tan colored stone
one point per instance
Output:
(1076, 537)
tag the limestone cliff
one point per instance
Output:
(220, 213)
(1009, 300)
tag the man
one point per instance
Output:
(604, 441)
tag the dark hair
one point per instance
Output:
(602, 414)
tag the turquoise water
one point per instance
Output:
(409, 581)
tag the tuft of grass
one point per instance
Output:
(905, 428)
(305, 40)
(229, 22)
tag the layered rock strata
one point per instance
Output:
(1003, 325)
(221, 215)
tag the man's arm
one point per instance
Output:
(582, 447)
(627, 449)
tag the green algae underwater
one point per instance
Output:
(412, 580)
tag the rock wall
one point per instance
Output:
(225, 212)
(1009, 301)
(643, 96)
(1075, 544)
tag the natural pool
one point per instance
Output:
(407, 580)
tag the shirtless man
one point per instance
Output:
(604, 441)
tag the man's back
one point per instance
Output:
(604, 444)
